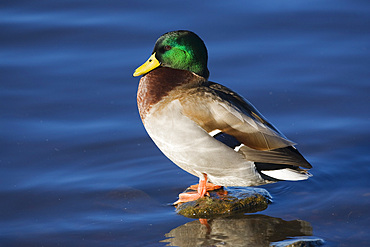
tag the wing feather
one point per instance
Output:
(224, 110)
(215, 107)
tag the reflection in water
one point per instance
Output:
(244, 230)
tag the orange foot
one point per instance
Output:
(192, 196)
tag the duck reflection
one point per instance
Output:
(244, 230)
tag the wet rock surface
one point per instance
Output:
(299, 242)
(224, 202)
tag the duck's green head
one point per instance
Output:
(178, 50)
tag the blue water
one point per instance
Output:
(78, 169)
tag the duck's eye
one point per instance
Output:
(167, 47)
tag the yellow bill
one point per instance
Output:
(149, 65)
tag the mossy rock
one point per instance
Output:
(219, 203)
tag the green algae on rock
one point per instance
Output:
(226, 202)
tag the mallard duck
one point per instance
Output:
(204, 127)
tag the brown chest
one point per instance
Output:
(157, 84)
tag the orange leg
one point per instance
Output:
(209, 186)
(204, 222)
(192, 196)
